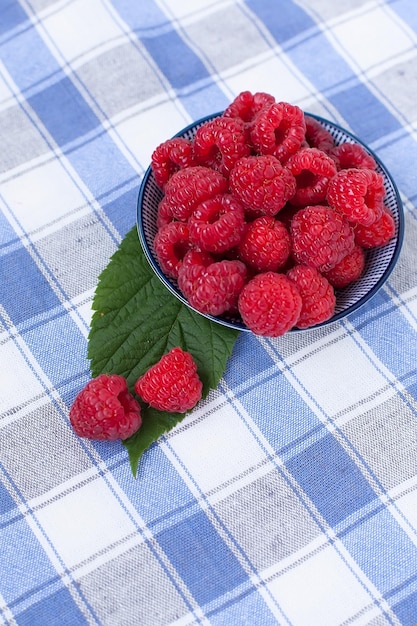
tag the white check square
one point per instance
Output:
(372, 38)
(34, 195)
(321, 590)
(85, 522)
(272, 76)
(340, 377)
(81, 26)
(143, 132)
(217, 448)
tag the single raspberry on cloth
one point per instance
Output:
(217, 224)
(169, 157)
(262, 184)
(105, 409)
(188, 187)
(220, 142)
(266, 244)
(279, 130)
(210, 286)
(317, 295)
(352, 155)
(358, 194)
(172, 384)
(170, 245)
(312, 170)
(247, 105)
(317, 136)
(377, 234)
(270, 304)
(350, 268)
(321, 237)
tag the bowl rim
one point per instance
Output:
(241, 326)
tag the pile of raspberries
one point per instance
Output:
(263, 216)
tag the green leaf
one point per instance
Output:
(136, 320)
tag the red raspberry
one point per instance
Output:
(317, 136)
(247, 105)
(220, 142)
(262, 184)
(266, 245)
(279, 130)
(357, 194)
(170, 245)
(169, 157)
(321, 237)
(105, 409)
(217, 224)
(317, 295)
(352, 155)
(164, 214)
(312, 169)
(172, 384)
(377, 234)
(270, 304)
(350, 268)
(211, 287)
(187, 188)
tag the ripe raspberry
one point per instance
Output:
(317, 295)
(266, 245)
(170, 245)
(211, 287)
(352, 155)
(169, 157)
(172, 384)
(321, 237)
(270, 304)
(317, 136)
(164, 214)
(217, 224)
(377, 234)
(105, 409)
(312, 169)
(279, 130)
(262, 183)
(220, 142)
(247, 105)
(188, 187)
(350, 268)
(357, 194)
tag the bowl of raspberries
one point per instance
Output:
(269, 219)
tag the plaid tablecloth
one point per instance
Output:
(290, 495)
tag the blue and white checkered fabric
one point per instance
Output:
(290, 495)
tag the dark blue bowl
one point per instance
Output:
(379, 261)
